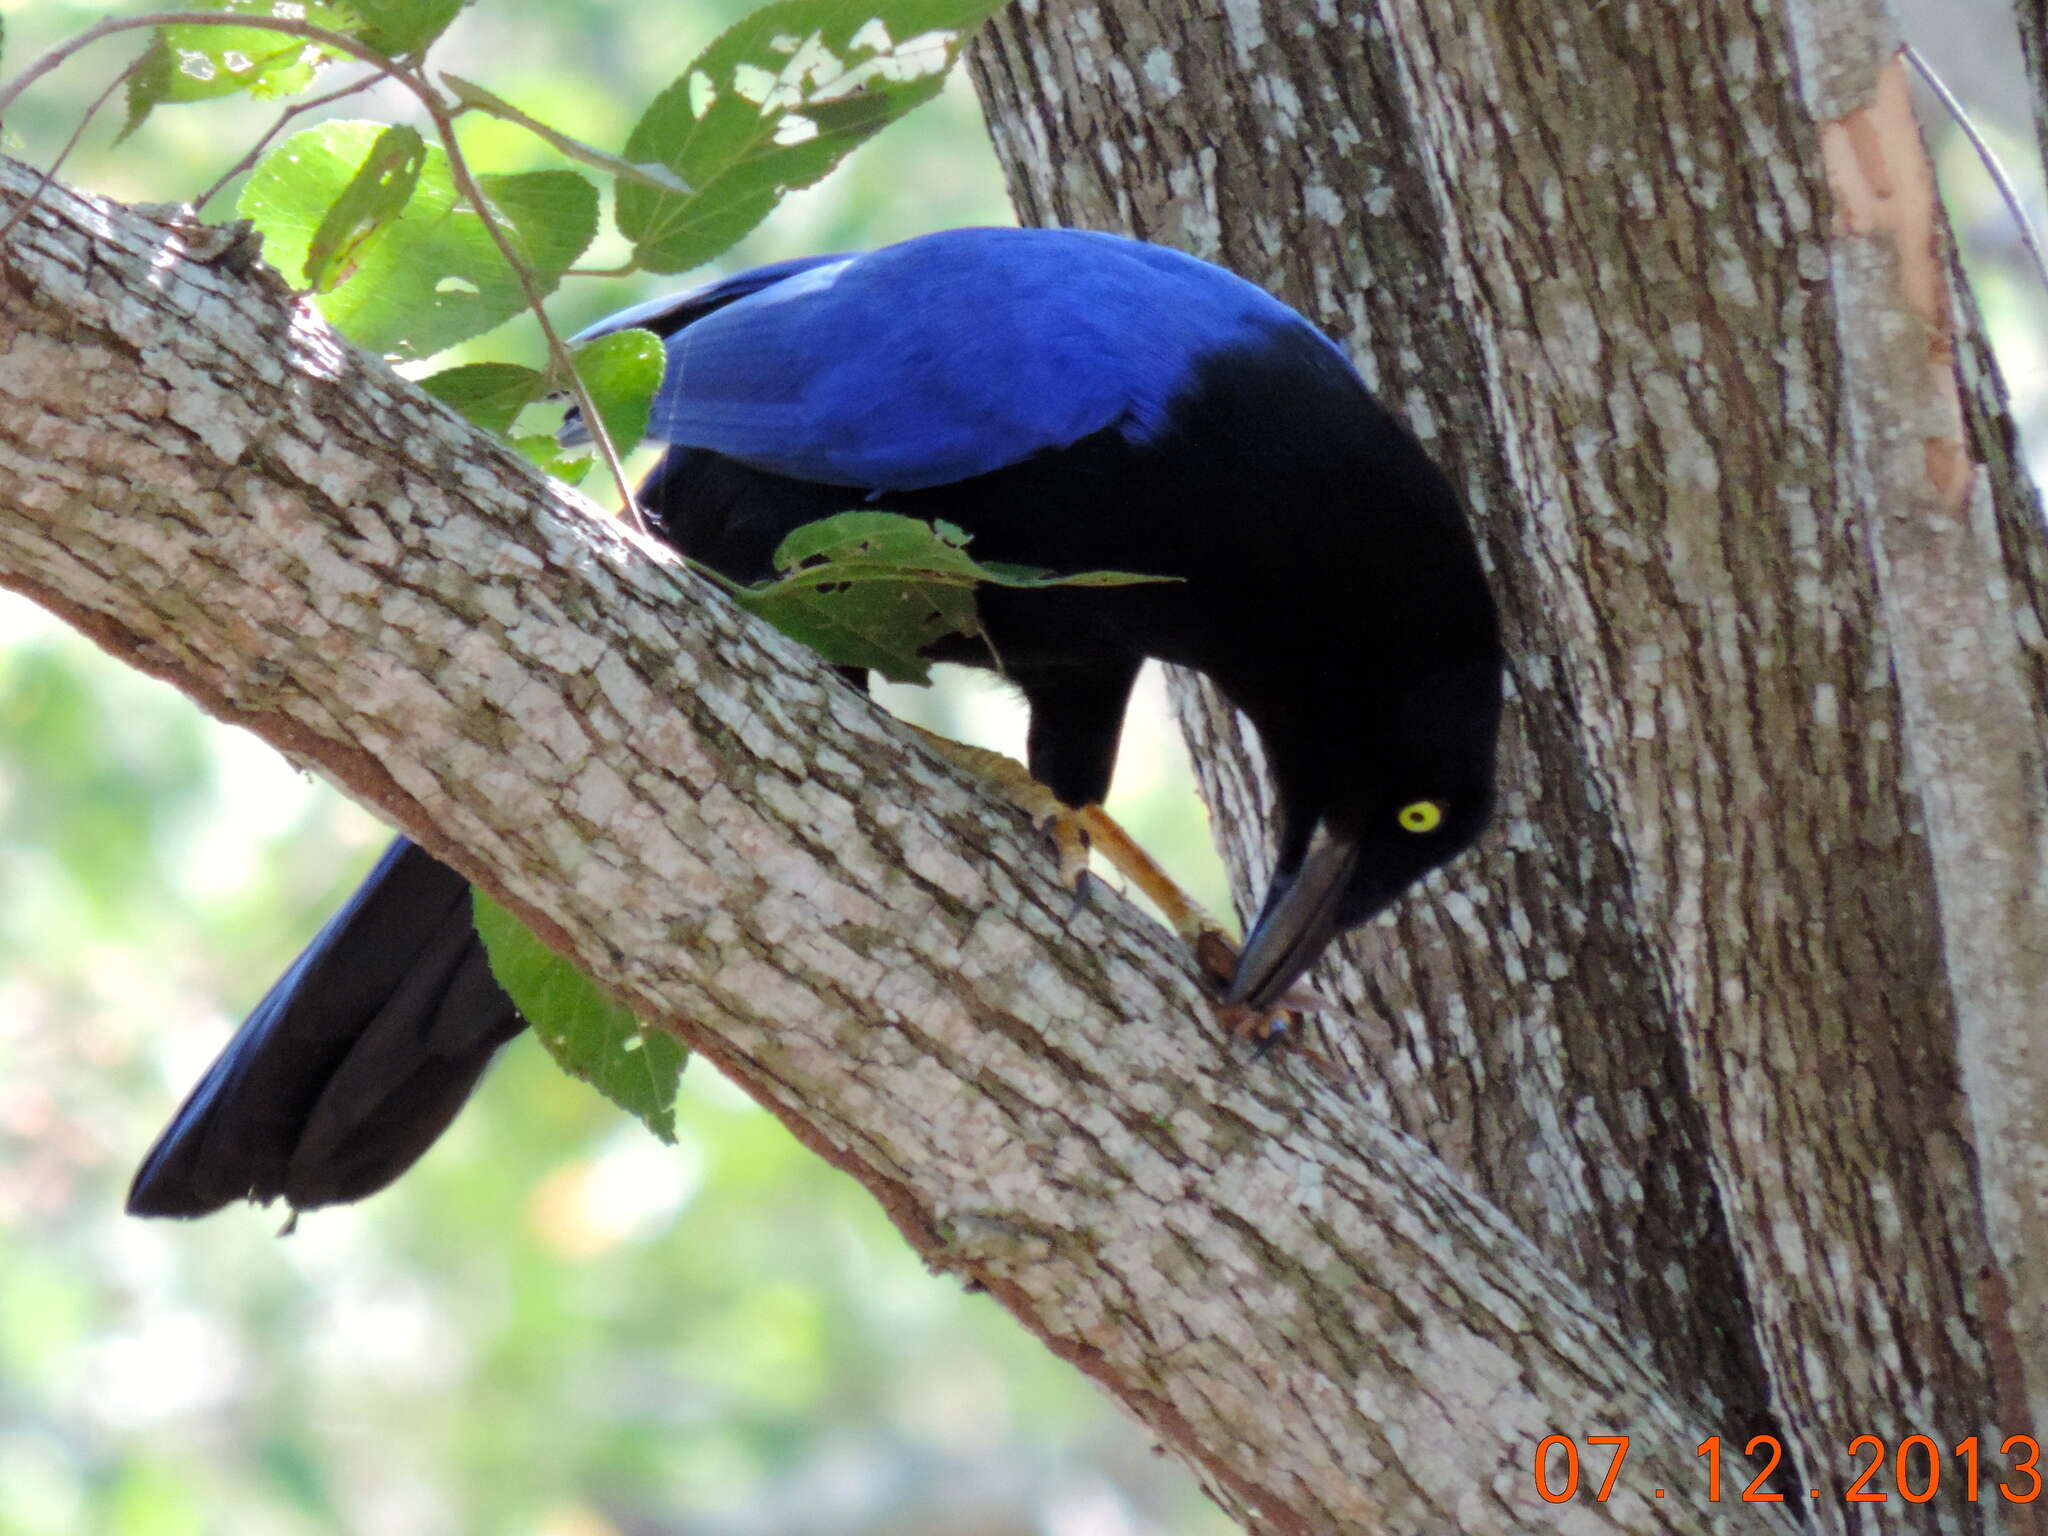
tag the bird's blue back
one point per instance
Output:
(950, 355)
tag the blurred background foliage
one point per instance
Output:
(553, 1326)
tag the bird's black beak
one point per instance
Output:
(1300, 917)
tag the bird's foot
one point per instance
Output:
(1215, 950)
(1077, 833)
(1069, 827)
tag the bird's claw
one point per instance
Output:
(1084, 892)
(1070, 843)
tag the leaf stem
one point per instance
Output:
(56, 165)
(558, 350)
(2014, 205)
(340, 42)
(439, 110)
(285, 118)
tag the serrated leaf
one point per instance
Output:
(374, 196)
(400, 28)
(875, 589)
(421, 281)
(879, 539)
(553, 214)
(589, 1035)
(773, 105)
(877, 621)
(194, 62)
(470, 94)
(490, 394)
(622, 371)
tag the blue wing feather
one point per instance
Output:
(950, 355)
(671, 312)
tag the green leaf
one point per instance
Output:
(431, 276)
(622, 371)
(490, 394)
(552, 213)
(543, 451)
(589, 1035)
(470, 94)
(400, 28)
(374, 196)
(1001, 573)
(193, 62)
(773, 105)
(875, 589)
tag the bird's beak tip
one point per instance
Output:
(1300, 917)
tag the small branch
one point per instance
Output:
(70, 144)
(558, 350)
(442, 115)
(285, 118)
(340, 42)
(2029, 236)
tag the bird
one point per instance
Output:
(1073, 400)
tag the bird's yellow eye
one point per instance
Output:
(1422, 816)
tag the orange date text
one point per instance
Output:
(1914, 1471)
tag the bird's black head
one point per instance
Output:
(1402, 785)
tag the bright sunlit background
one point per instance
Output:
(554, 1326)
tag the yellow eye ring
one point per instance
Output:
(1422, 816)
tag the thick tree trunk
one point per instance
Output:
(1301, 1301)
(1739, 1014)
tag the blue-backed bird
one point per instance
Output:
(1074, 401)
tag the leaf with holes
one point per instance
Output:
(374, 196)
(203, 62)
(773, 105)
(876, 589)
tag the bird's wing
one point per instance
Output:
(667, 315)
(951, 355)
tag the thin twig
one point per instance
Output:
(255, 153)
(437, 109)
(340, 42)
(36, 196)
(558, 351)
(2029, 237)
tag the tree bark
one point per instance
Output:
(1738, 1014)
(2032, 16)
(1300, 1300)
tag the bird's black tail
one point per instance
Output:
(354, 1062)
